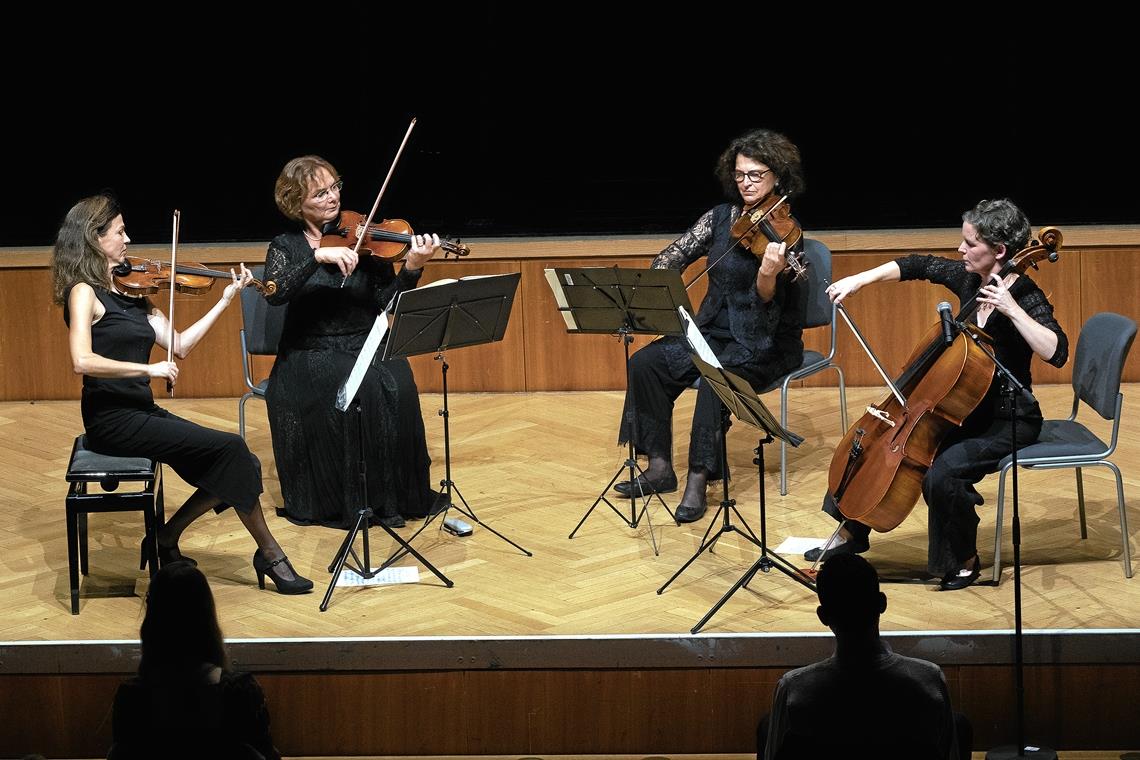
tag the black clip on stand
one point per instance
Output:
(1011, 388)
(627, 302)
(739, 398)
(432, 319)
(346, 396)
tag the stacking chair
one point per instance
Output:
(820, 313)
(261, 331)
(1101, 351)
(88, 467)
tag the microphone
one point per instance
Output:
(947, 322)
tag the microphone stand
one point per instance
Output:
(1011, 389)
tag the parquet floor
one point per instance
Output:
(530, 465)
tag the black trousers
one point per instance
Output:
(659, 373)
(965, 456)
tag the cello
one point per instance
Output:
(876, 473)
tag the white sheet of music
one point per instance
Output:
(697, 341)
(560, 298)
(347, 392)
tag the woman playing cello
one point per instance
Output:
(1019, 318)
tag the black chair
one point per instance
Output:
(261, 331)
(820, 312)
(87, 467)
(1102, 349)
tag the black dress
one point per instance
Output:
(316, 446)
(758, 340)
(121, 418)
(225, 720)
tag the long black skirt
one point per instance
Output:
(317, 447)
(217, 462)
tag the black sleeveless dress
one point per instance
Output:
(121, 418)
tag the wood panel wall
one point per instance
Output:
(566, 712)
(537, 354)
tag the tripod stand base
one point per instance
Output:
(1010, 753)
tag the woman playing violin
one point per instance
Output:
(752, 318)
(110, 336)
(1019, 318)
(334, 297)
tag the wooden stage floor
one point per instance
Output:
(530, 465)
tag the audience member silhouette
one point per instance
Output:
(865, 700)
(186, 701)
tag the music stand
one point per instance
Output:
(627, 302)
(740, 399)
(430, 320)
(346, 396)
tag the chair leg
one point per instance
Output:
(783, 443)
(241, 415)
(82, 520)
(1081, 502)
(72, 559)
(842, 401)
(1123, 508)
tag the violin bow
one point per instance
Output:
(170, 310)
(376, 205)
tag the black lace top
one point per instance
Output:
(1009, 347)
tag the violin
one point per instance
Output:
(877, 470)
(388, 239)
(771, 221)
(140, 277)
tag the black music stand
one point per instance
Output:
(627, 302)
(430, 320)
(739, 399)
(346, 397)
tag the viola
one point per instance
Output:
(140, 277)
(771, 221)
(877, 470)
(388, 239)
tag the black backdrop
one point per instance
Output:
(547, 124)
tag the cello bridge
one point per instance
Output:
(880, 414)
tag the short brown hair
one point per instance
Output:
(293, 183)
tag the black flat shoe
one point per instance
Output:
(263, 566)
(687, 514)
(166, 556)
(954, 579)
(393, 521)
(850, 546)
(644, 486)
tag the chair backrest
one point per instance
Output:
(1102, 349)
(262, 322)
(819, 307)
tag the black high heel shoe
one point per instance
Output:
(954, 580)
(263, 566)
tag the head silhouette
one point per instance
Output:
(849, 596)
(180, 632)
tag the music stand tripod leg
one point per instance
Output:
(635, 472)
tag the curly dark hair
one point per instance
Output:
(772, 149)
(999, 223)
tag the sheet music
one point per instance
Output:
(347, 392)
(560, 299)
(697, 341)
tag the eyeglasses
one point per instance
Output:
(753, 176)
(320, 195)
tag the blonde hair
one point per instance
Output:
(293, 183)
